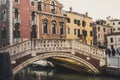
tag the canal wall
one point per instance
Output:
(5, 67)
(112, 71)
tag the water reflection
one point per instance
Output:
(33, 73)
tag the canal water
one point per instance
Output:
(42, 73)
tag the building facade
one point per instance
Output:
(26, 19)
(113, 40)
(79, 26)
(100, 29)
(52, 22)
(115, 23)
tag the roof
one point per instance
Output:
(79, 14)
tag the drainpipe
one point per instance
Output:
(10, 23)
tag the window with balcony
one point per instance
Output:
(3, 15)
(3, 33)
(45, 26)
(61, 28)
(53, 27)
(52, 7)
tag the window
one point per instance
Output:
(68, 20)
(79, 33)
(90, 24)
(83, 23)
(32, 3)
(111, 40)
(16, 13)
(45, 26)
(98, 35)
(91, 34)
(68, 30)
(45, 7)
(119, 28)
(33, 31)
(104, 29)
(98, 28)
(78, 22)
(84, 33)
(53, 27)
(118, 22)
(33, 15)
(3, 16)
(61, 28)
(75, 31)
(4, 33)
(16, 33)
(39, 6)
(113, 29)
(75, 21)
(113, 23)
(52, 7)
(16, 1)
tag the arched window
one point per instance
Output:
(45, 26)
(16, 13)
(16, 31)
(3, 16)
(53, 27)
(61, 28)
(39, 6)
(33, 15)
(4, 33)
(53, 7)
(33, 31)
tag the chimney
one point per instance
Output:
(70, 9)
(86, 14)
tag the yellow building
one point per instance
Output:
(79, 26)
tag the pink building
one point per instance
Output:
(18, 19)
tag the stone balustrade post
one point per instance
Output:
(119, 62)
(107, 61)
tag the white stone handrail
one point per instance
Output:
(50, 45)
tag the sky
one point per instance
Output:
(97, 9)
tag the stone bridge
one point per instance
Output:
(25, 53)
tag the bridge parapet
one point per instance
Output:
(51, 45)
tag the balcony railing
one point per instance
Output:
(33, 22)
(16, 20)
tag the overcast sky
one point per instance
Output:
(97, 9)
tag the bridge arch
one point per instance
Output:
(55, 54)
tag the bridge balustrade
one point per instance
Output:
(49, 45)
